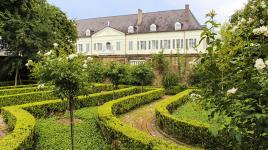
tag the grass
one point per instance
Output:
(194, 111)
(56, 136)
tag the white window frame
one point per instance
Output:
(177, 26)
(130, 45)
(153, 28)
(130, 29)
(118, 46)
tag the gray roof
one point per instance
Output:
(164, 20)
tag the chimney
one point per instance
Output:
(187, 12)
(139, 20)
(187, 7)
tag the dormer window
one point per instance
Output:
(130, 29)
(153, 28)
(177, 26)
(88, 32)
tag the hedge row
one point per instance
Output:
(21, 90)
(23, 82)
(23, 123)
(17, 99)
(189, 131)
(18, 86)
(124, 136)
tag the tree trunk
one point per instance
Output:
(16, 75)
(71, 107)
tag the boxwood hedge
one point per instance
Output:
(18, 86)
(124, 136)
(188, 131)
(22, 98)
(22, 122)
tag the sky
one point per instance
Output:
(82, 9)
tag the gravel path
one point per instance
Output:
(143, 118)
(3, 127)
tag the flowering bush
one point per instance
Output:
(233, 76)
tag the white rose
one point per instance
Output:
(48, 53)
(259, 64)
(28, 63)
(55, 44)
(71, 57)
(40, 86)
(232, 91)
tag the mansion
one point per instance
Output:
(135, 37)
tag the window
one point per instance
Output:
(174, 43)
(161, 44)
(130, 29)
(192, 43)
(136, 62)
(149, 45)
(88, 32)
(138, 45)
(178, 26)
(154, 44)
(130, 45)
(80, 48)
(178, 43)
(108, 46)
(99, 46)
(143, 45)
(118, 46)
(153, 28)
(166, 44)
(95, 46)
(187, 45)
(182, 43)
(87, 47)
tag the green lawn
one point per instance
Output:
(193, 111)
(56, 136)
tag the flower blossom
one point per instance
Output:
(40, 86)
(266, 62)
(28, 63)
(72, 56)
(55, 44)
(232, 91)
(261, 30)
(234, 28)
(85, 65)
(250, 20)
(48, 53)
(89, 58)
(263, 5)
(211, 14)
(259, 64)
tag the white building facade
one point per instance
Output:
(170, 32)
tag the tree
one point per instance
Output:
(115, 73)
(143, 73)
(66, 74)
(29, 26)
(234, 77)
(95, 70)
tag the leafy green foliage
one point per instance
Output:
(95, 70)
(143, 74)
(169, 79)
(234, 82)
(51, 134)
(21, 90)
(17, 87)
(115, 73)
(160, 63)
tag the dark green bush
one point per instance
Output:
(11, 83)
(169, 80)
(175, 89)
(18, 86)
(22, 90)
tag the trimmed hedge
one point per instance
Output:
(124, 136)
(23, 123)
(188, 131)
(175, 89)
(23, 82)
(18, 86)
(4, 92)
(18, 99)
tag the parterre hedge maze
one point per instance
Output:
(38, 120)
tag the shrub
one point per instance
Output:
(18, 86)
(188, 131)
(95, 70)
(22, 123)
(143, 74)
(169, 80)
(129, 137)
(175, 89)
(22, 90)
(17, 99)
(11, 83)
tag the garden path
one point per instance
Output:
(3, 127)
(143, 118)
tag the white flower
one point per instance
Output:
(71, 57)
(259, 64)
(194, 95)
(266, 62)
(48, 53)
(55, 44)
(250, 20)
(260, 30)
(40, 86)
(232, 91)
(38, 52)
(263, 5)
(28, 63)
(234, 28)
(262, 21)
(85, 65)
(89, 59)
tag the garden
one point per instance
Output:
(70, 101)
